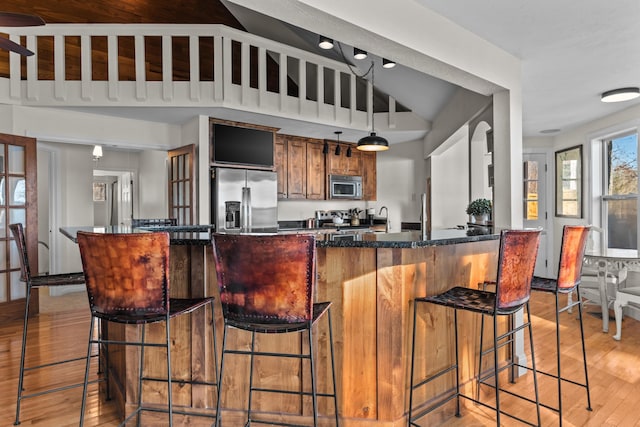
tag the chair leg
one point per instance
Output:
(495, 366)
(333, 369)
(140, 374)
(455, 321)
(22, 355)
(584, 352)
(253, 349)
(314, 396)
(169, 387)
(558, 361)
(86, 371)
(224, 346)
(533, 363)
(413, 358)
(480, 356)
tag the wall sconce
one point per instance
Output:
(97, 152)
(325, 42)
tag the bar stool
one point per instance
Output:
(574, 241)
(267, 286)
(36, 282)
(127, 278)
(516, 261)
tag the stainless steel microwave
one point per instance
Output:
(345, 187)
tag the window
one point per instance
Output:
(569, 182)
(620, 191)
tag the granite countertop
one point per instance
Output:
(355, 238)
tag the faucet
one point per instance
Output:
(386, 228)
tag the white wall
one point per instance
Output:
(450, 182)
(153, 191)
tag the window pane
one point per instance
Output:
(3, 287)
(622, 165)
(16, 159)
(17, 191)
(18, 288)
(622, 217)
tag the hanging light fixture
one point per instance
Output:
(359, 53)
(325, 42)
(372, 142)
(618, 95)
(97, 152)
(338, 149)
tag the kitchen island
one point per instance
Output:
(371, 278)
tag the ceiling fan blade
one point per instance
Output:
(7, 44)
(10, 19)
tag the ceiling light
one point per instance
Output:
(547, 131)
(372, 142)
(387, 63)
(359, 53)
(325, 43)
(618, 95)
(97, 152)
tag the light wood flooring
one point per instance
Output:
(614, 371)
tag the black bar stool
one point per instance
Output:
(267, 286)
(36, 282)
(127, 277)
(516, 261)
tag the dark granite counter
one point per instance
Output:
(363, 238)
(179, 235)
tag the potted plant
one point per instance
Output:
(479, 211)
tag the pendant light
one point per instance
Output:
(372, 142)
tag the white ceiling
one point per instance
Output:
(571, 52)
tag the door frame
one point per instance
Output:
(548, 231)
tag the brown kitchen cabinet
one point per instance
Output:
(280, 159)
(369, 175)
(340, 164)
(297, 168)
(315, 170)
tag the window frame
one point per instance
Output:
(559, 199)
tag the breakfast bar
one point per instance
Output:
(371, 279)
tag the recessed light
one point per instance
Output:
(618, 95)
(387, 63)
(325, 42)
(550, 131)
(359, 53)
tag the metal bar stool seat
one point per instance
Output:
(267, 286)
(516, 261)
(37, 282)
(127, 278)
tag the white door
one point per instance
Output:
(535, 205)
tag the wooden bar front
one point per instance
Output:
(372, 289)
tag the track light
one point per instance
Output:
(618, 95)
(325, 42)
(359, 53)
(387, 63)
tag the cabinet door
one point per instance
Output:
(315, 171)
(337, 164)
(353, 163)
(280, 154)
(369, 175)
(297, 168)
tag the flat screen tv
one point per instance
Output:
(244, 146)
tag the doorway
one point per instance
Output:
(536, 206)
(113, 197)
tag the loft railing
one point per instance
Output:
(168, 65)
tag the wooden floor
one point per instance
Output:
(60, 331)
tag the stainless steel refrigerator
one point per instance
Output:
(244, 200)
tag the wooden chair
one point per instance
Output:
(267, 286)
(37, 282)
(516, 261)
(574, 240)
(127, 278)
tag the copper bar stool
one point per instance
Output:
(36, 282)
(127, 278)
(574, 242)
(266, 286)
(516, 261)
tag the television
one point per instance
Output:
(242, 146)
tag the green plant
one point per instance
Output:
(479, 207)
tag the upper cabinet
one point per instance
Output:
(303, 167)
(345, 160)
